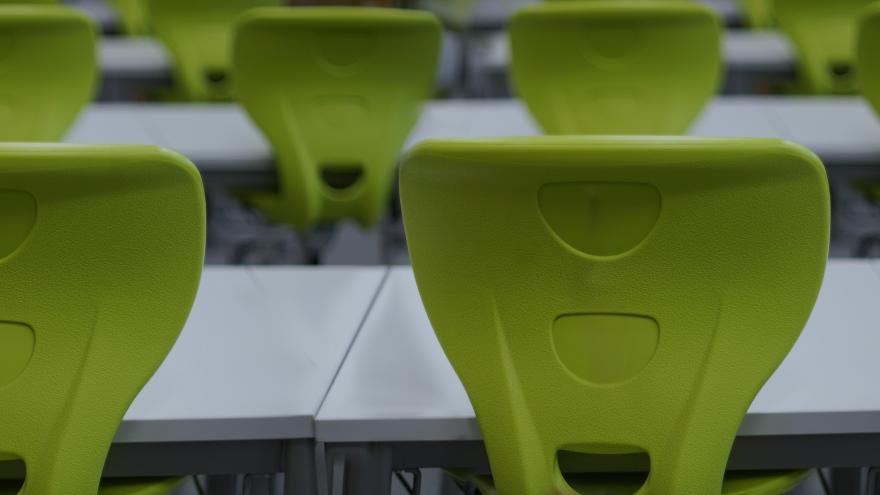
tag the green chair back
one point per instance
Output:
(758, 13)
(824, 34)
(134, 15)
(100, 259)
(615, 295)
(47, 70)
(608, 67)
(336, 90)
(868, 46)
(198, 33)
(29, 2)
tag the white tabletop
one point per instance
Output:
(256, 357)
(133, 57)
(221, 139)
(741, 50)
(396, 384)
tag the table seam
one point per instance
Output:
(354, 339)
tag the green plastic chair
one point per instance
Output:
(336, 90)
(29, 2)
(134, 15)
(47, 62)
(758, 13)
(606, 67)
(615, 295)
(100, 258)
(824, 34)
(198, 33)
(868, 46)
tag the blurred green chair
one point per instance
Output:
(758, 13)
(336, 90)
(100, 258)
(867, 50)
(47, 60)
(134, 16)
(616, 296)
(30, 2)
(198, 33)
(824, 34)
(607, 67)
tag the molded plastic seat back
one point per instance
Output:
(758, 13)
(134, 16)
(336, 91)
(198, 33)
(615, 295)
(824, 33)
(868, 49)
(47, 70)
(615, 67)
(100, 257)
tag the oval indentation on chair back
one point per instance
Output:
(18, 214)
(342, 53)
(605, 348)
(16, 349)
(600, 218)
(611, 45)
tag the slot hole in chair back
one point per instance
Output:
(12, 473)
(341, 177)
(589, 470)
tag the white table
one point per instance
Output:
(229, 150)
(751, 59)
(239, 391)
(396, 390)
(130, 65)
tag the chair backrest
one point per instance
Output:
(100, 259)
(868, 47)
(336, 90)
(758, 13)
(615, 67)
(47, 70)
(615, 295)
(198, 33)
(824, 34)
(134, 15)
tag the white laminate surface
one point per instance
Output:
(741, 50)
(843, 131)
(256, 357)
(396, 384)
(133, 57)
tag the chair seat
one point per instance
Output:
(115, 486)
(735, 483)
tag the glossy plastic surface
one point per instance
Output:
(198, 33)
(824, 33)
(134, 16)
(47, 70)
(103, 250)
(336, 91)
(616, 67)
(719, 251)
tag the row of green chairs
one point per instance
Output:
(335, 90)
(324, 101)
